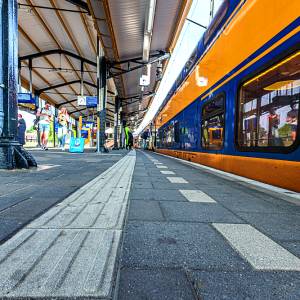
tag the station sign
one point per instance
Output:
(25, 98)
(88, 124)
(91, 101)
(81, 101)
(88, 101)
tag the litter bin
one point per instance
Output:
(77, 145)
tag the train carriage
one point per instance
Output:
(235, 106)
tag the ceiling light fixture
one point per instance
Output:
(149, 20)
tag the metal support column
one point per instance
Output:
(12, 154)
(98, 96)
(81, 79)
(19, 77)
(37, 106)
(54, 123)
(122, 133)
(30, 75)
(102, 97)
(116, 123)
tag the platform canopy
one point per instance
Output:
(61, 37)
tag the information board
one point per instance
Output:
(25, 98)
(91, 101)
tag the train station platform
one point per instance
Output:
(139, 225)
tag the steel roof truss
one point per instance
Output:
(138, 60)
(57, 51)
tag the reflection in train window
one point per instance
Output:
(176, 132)
(269, 106)
(213, 123)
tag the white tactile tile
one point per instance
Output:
(197, 196)
(258, 249)
(70, 251)
(167, 172)
(161, 167)
(177, 180)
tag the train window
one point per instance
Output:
(216, 21)
(176, 132)
(191, 62)
(213, 123)
(269, 107)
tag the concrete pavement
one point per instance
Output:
(192, 234)
(71, 251)
(188, 233)
(26, 194)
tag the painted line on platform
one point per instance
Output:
(70, 252)
(197, 196)
(158, 163)
(161, 167)
(290, 196)
(167, 172)
(177, 180)
(46, 167)
(258, 249)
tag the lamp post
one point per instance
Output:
(12, 154)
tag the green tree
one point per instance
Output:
(285, 130)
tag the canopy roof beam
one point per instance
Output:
(115, 70)
(40, 91)
(57, 51)
(80, 4)
(138, 96)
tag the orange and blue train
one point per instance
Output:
(235, 105)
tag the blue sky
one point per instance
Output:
(188, 39)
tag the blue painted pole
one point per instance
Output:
(12, 154)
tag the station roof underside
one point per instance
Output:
(56, 30)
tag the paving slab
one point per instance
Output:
(157, 195)
(145, 211)
(142, 185)
(154, 284)
(293, 247)
(173, 186)
(167, 172)
(186, 245)
(197, 196)
(246, 285)
(177, 180)
(258, 249)
(284, 227)
(198, 212)
(64, 263)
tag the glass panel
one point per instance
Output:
(216, 21)
(269, 106)
(213, 107)
(176, 132)
(213, 124)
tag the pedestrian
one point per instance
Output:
(63, 122)
(21, 130)
(292, 120)
(44, 116)
(128, 138)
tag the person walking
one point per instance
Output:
(45, 117)
(128, 137)
(63, 122)
(21, 130)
